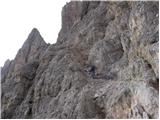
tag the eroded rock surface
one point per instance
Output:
(104, 65)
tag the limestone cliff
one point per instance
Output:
(104, 65)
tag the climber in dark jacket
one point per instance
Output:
(91, 71)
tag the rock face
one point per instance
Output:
(104, 65)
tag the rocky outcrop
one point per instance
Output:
(104, 65)
(18, 75)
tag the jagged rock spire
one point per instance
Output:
(32, 48)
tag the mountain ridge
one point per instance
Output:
(103, 65)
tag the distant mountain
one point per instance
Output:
(104, 65)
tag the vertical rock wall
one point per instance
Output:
(104, 65)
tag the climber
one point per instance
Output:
(91, 71)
